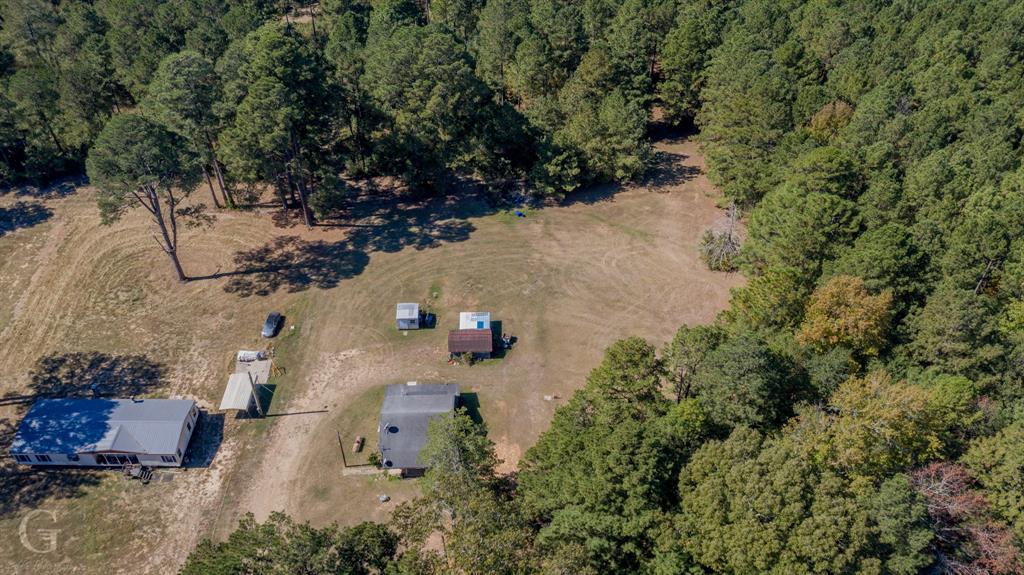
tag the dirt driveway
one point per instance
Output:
(566, 281)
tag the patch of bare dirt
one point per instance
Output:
(566, 281)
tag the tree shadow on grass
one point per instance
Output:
(22, 215)
(414, 229)
(58, 189)
(667, 132)
(25, 488)
(294, 264)
(91, 374)
(665, 170)
(286, 219)
(380, 219)
(69, 375)
(592, 195)
(668, 170)
(384, 220)
(471, 402)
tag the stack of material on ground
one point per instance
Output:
(475, 320)
(250, 356)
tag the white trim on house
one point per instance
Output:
(106, 433)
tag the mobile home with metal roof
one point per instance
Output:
(106, 432)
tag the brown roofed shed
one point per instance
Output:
(470, 340)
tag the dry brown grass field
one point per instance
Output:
(81, 301)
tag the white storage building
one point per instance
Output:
(475, 320)
(407, 316)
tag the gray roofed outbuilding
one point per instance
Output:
(407, 311)
(407, 316)
(405, 417)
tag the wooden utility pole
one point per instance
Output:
(341, 446)
(255, 395)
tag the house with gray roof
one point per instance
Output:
(106, 432)
(404, 418)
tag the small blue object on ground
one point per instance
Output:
(520, 214)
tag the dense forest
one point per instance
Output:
(859, 408)
(154, 99)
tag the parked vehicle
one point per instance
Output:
(272, 325)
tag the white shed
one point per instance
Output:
(408, 316)
(475, 320)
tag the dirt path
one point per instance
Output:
(567, 281)
(636, 271)
(72, 288)
(339, 376)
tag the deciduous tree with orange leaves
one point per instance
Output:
(844, 312)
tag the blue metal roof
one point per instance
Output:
(54, 426)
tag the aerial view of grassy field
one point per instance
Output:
(511, 287)
(81, 302)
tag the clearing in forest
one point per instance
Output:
(80, 301)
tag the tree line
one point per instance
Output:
(858, 408)
(241, 95)
(719, 454)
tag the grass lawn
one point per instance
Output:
(566, 281)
